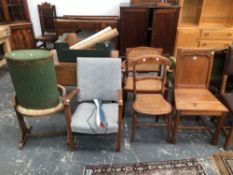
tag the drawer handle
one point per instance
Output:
(206, 34)
(229, 34)
(204, 44)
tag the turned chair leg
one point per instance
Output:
(176, 126)
(134, 125)
(169, 127)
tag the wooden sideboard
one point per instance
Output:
(143, 25)
(205, 23)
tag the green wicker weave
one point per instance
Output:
(34, 79)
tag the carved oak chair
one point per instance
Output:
(192, 97)
(227, 97)
(153, 102)
(145, 85)
(96, 78)
(47, 15)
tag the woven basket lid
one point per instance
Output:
(24, 55)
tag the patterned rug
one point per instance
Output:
(224, 162)
(174, 167)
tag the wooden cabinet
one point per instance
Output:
(15, 14)
(148, 26)
(133, 28)
(187, 38)
(214, 20)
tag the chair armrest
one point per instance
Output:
(119, 97)
(70, 96)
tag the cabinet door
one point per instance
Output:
(164, 29)
(187, 38)
(133, 28)
(22, 37)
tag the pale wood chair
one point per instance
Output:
(151, 103)
(192, 97)
(227, 97)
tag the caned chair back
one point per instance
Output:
(193, 68)
(151, 60)
(132, 53)
(98, 78)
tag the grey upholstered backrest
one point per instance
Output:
(98, 78)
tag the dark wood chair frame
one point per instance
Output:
(47, 23)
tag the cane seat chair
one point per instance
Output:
(96, 78)
(153, 102)
(47, 15)
(227, 97)
(192, 97)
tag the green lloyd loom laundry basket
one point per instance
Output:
(34, 79)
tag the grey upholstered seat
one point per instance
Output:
(83, 119)
(97, 78)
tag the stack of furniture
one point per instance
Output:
(15, 14)
(148, 25)
(205, 23)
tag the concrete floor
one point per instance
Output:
(50, 155)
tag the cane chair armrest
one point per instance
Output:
(119, 97)
(70, 96)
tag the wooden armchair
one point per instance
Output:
(192, 97)
(97, 78)
(47, 15)
(227, 97)
(151, 103)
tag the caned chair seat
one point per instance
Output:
(143, 85)
(197, 100)
(152, 104)
(84, 119)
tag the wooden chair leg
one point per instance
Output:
(177, 121)
(218, 129)
(134, 125)
(169, 128)
(119, 133)
(229, 138)
(70, 138)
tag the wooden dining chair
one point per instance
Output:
(152, 103)
(192, 97)
(145, 85)
(227, 97)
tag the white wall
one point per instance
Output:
(75, 7)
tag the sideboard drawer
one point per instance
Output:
(214, 44)
(218, 34)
